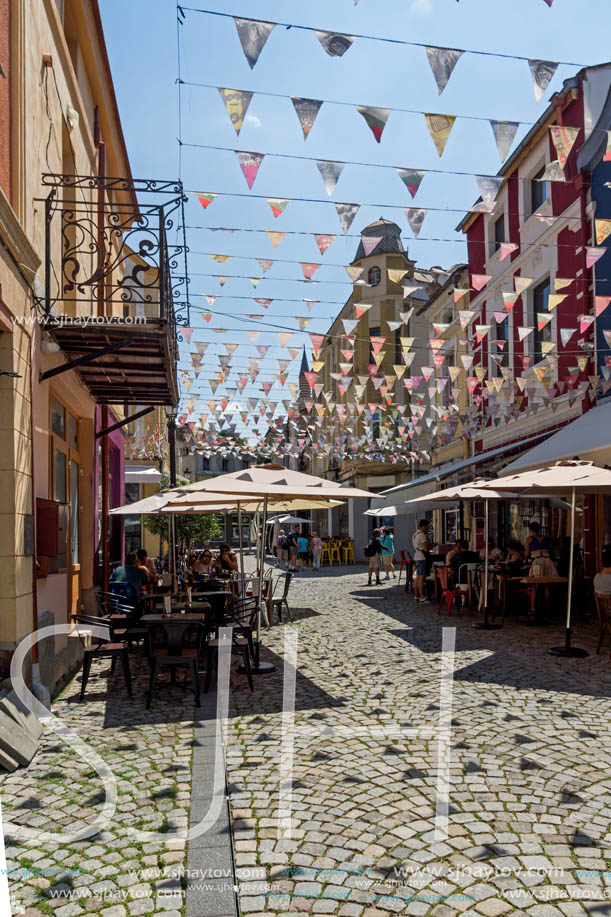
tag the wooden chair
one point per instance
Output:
(176, 654)
(105, 648)
(449, 593)
(325, 554)
(278, 603)
(406, 564)
(348, 553)
(603, 608)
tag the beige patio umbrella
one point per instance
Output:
(269, 483)
(563, 479)
(475, 490)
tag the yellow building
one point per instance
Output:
(67, 354)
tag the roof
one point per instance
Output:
(390, 239)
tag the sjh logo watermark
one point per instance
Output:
(289, 732)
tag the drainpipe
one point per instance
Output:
(100, 291)
(39, 691)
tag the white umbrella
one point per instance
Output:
(475, 490)
(289, 520)
(566, 479)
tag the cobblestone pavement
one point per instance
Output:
(528, 827)
(530, 799)
(150, 753)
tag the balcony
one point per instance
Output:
(113, 284)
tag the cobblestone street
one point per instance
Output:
(529, 808)
(529, 765)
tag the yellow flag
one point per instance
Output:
(396, 276)
(554, 299)
(220, 258)
(439, 128)
(561, 282)
(236, 102)
(603, 229)
(275, 237)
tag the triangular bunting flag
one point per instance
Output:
(593, 254)
(507, 248)
(335, 43)
(552, 172)
(566, 334)
(249, 163)
(524, 332)
(504, 133)
(489, 186)
(278, 204)
(265, 264)
(415, 218)
(411, 178)
(563, 139)
(479, 281)
(306, 109)
(600, 304)
(346, 214)
(603, 230)
(375, 118)
(206, 199)
(542, 73)
(369, 243)
(521, 284)
(439, 127)
(309, 269)
(554, 299)
(442, 61)
(275, 237)
(253, 35)
(236, 103)
(324, 242)
(330, 173)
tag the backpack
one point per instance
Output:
(372, 548)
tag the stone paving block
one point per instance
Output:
(15, 741)
(15, 708)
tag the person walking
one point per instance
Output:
(388, 553)
(374, 552)
(420, 541)
(316, 545)
(293, 548)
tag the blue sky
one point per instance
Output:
(142, 45)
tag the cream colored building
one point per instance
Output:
(58, 118)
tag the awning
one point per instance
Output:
(407, 491)
(588, 437)
(142, 474)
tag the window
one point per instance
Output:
(499, 232)
(374, 276)
(501, 351)
(72, 432)
(74, 511)
(58, 418)
(540, 301)
(538, 190)
(225, 464)
(59, 477)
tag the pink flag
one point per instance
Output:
(249, 163)
(324, 242)
(309, 269)
(601, 303)
(186, 333)
(479, 281)
(593, 254)
(507, 248)
(317, 340)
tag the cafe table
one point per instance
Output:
(214, 601)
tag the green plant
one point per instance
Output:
(191, 528)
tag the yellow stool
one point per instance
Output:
(348, 554)
(335, 555)
(325, 555)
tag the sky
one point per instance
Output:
(143, 40)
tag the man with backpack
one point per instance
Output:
(374, 552)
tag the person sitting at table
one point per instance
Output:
(460, 559)
(535, 543)
(494, 554)
(203, 564)
(147, 563)
(602, 580)
(131, 573)
(515, 556)
(451, 553)
(226, 562)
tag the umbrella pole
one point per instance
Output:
(241, 546)
(261, 668)
(567, 649)
(485, 624)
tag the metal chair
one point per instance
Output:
(407, 565)
(335, 555)
(325, 554)
(105, 648)
(348, 554)
(176, 654)
(277, 603)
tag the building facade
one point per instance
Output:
(62, 385)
